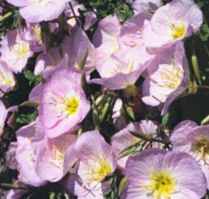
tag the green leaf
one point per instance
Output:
(52, 195)
(122, 185)
(165, 119)
(124, 11)
(130, 112)
(33, 79)
(196, 68)
(23, 119)
(204, 32)
(205, 120)
(109, 7)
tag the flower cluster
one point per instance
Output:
(89, 135)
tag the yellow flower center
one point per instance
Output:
(21, 49)
(71, 105)
(162, 185)
(102, 169)
(6, 80)
(178, 30)
(201, 147)
(171, 76)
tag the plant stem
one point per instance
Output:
(10, 186)
(2, 18)
(74, 14)
(151, 139)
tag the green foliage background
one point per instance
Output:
(193, 106)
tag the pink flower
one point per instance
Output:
(193, 139)
(78, 51)
(167, 78)
(63, 103)
(15, 50)
(155, 174)
(51, 156)
(96, 162)
(106, 36)
(75, 51)
(147, 6)
(117, 73)
(172, 22)
(124, 139)
(7, 80)
(74, 186)
(35, 11)
(117, 55)
(28, 141)
(39, 159)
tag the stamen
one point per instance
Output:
(6, 80)
(21, 49)
(101, 169)
(71, 105)
(201, 148)
(162, 184)
(171, 76)
(178, 30)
